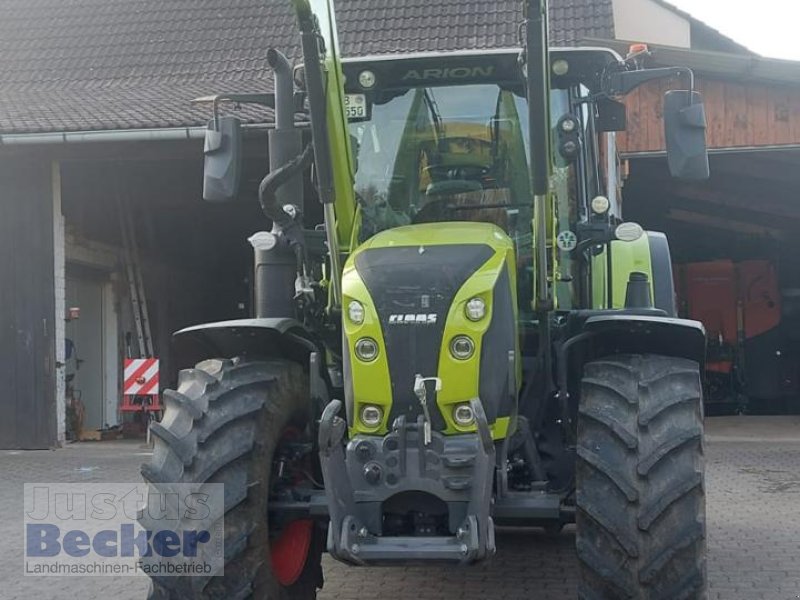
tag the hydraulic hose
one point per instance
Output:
(275, 179)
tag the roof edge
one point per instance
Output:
(113, 135)
(746, 67)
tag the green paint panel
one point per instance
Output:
(626, 258)
(599, 277)
(370, 381)
(460, 378)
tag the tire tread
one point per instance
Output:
(641, 506)
(220, 426)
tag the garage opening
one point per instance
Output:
(195, 260)
(736, 260)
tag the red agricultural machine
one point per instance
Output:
(752, 364)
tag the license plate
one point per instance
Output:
(355, 106)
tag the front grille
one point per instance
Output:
(407, 286)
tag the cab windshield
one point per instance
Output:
(452, 153)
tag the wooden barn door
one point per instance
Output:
(27, 305)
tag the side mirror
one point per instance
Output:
(685, 135)
(222, 168)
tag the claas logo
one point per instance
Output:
(413, 319)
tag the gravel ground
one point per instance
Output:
(753, 483)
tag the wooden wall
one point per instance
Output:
(27, 305)
(739, 115)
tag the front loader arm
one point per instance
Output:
(334, 159)
(537, 84)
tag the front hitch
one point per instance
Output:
(369, 470)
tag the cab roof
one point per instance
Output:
(465, 67)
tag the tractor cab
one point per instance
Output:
(443, 137)
(435, 145)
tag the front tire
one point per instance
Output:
(640, 491)
(223, 425)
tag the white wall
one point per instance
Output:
(89, 365)
(112, 385)
(646, 21)
(60, 291)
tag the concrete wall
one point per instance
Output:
(646, 21)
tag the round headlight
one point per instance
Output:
(371, 415)
(263, 240)
(568, 125)
(462, 347)
(476, 309)
(355, 310)
(560, 67)
(629, 232)
(367, 349)
(463, 415)
(600, 205)
(366, 79)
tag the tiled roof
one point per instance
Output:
(76, 65)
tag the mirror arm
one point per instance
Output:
(266, 99)
(621, 83)
(590, 234)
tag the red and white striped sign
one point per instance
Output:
(141, 377)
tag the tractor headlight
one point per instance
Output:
(263, 240)
(463, 415)
(476, 309)
(569, 125)
(600, 205)
(355, 310)
(462, 347)
(371, 415)
(366, 79)
(629, 232)
(367, 349)
(560, 67)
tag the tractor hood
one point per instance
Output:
(410, 287)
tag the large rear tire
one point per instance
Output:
(640, 492)
(223, 425)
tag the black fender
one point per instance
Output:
(598, 333)
(615, 332)
(661, 265)
(267, 338)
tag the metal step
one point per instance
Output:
(527, 507)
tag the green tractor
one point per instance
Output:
(454, 328)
